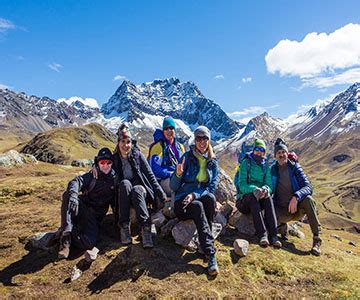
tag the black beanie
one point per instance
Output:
(104, 153)
(280, 145)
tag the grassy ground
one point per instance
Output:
(30, 203)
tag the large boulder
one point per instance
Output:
(84, 163)
(186, 235)
(225, 191)
(243, 223)
(14, 158)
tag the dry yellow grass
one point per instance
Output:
(30, 203)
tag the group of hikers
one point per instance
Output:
(185, 182)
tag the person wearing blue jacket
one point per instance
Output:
(194, 183)
(164, 154)
(292, 193)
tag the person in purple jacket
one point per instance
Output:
(292, 194)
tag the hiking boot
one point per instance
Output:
(125, 235)
(64, 247)
(315, 250)
(264, 241)
(275, 242)
(147, 237)
(283, 231)
(213, 268)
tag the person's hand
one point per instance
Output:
(94, 172)
(168, 199)
(257, 192)
(180, 168)
(187, 200)
(265, 193)
(293, 205)
(74, 205)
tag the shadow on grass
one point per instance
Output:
(232, 234)
(30, 263)
(160, 262)
(36, 259)
(290, 247)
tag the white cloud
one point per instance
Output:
(220, 76)
(246, 79)
(55, 66)
(6, 25)
(4, 86)
(247, 111)
(348, 77)
(245, 120)
(319, 58)
(87, 101)
(119, 78)
(245, 115)
(19, 57)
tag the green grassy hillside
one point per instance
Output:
(63, 145)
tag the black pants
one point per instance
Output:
(201, 211)
(135, 196)
(249, 204)
(83, 227)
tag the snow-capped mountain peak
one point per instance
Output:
(75, 100)
(181, 100)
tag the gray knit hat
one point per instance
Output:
(202, 131)
(280, 145)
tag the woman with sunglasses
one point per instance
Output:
(194, 183)
(254, 184)
(137, 187)
(85, 204)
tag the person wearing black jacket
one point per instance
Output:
(137, 187)
(85, 204)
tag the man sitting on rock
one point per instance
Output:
(85, 204)
(292, 194)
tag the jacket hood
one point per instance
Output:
(159, 136)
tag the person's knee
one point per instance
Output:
(197, 207)
(138, 192)
(210, 199)
(125, 183)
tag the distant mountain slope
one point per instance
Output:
(341, 115)
(63, 145)
(19, 111)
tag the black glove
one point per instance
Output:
(74, 205)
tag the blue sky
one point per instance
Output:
(278, 56)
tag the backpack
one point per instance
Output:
(293, 156)
(152, 145)
(169, 153)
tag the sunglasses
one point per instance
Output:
(169, 128)
(261, 149)
(105, 162)
(201, 138)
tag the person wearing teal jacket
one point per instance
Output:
(255, 188)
